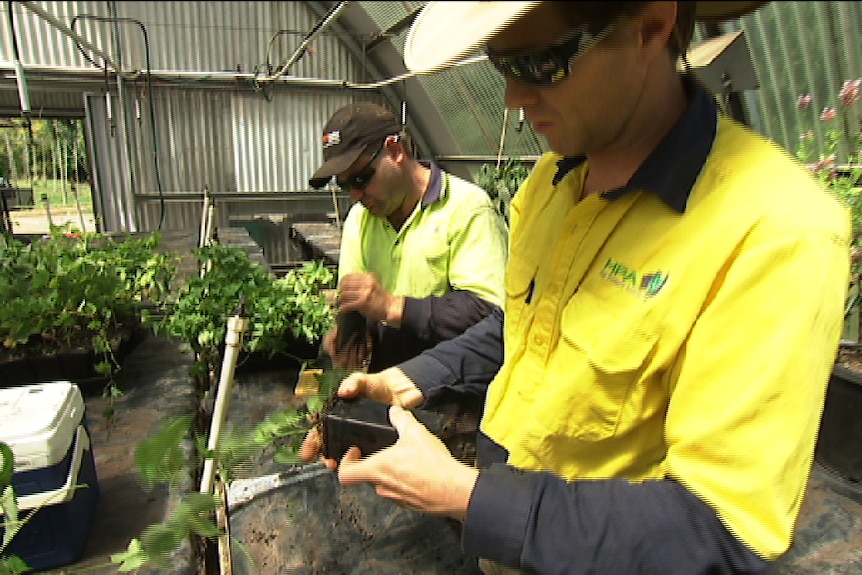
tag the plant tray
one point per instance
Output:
(77, 366)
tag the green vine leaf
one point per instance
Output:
(160, 458)
(7, 465)
(63, 292)
(281, 311)
(13, 565)
(192, 515)
(9, 505)
(132, 558)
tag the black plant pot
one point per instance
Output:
(250, 362)
(841, 426)
(75, 365)
(298, 351)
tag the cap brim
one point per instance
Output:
(446, 32)
(334, 166)
(718, 11)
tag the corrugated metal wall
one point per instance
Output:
(227, 139)
(798, 47)
(804, 48)
(235, 140)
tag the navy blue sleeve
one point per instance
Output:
(425, 323)
(543, 524)
(438, 318)
(465, 364)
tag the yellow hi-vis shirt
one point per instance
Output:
(644, 343)
(453, 240)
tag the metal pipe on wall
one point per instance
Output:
(55, 73)
(51, 73)
(126, 197)
(300, 50)
(20, 77)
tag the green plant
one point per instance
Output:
(162, 459)
(191, 516)
(502, 181)
(842, 179)
(9, 508)
(78, 291)
(282, 312)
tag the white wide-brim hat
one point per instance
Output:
(446, 32)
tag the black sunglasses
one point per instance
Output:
(361, 180)
(549, 65)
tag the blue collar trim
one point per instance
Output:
(673, 167)
(435, 184)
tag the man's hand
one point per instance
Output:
(418, 472)
(390, 386)
(362, 292)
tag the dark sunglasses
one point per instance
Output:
(549, 65)
(361, 180)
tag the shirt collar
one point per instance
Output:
(435, 184)
(672, 168)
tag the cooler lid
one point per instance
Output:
(39, 421)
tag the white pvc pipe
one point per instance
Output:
(236, 326)
(202, 235)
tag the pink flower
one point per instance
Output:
(804, 101)
(808, 136)
(828, 114)
(824, 164)
(849, 94)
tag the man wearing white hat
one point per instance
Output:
(674, 302)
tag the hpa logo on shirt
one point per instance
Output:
(644, 285)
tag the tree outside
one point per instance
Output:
(44, 171)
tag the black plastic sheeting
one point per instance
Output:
(839, 443)
(315, 525)
(828, 537)
(300, 520)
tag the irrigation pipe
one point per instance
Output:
(236, 327)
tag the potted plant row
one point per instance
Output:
(288, 316)
(72, 304)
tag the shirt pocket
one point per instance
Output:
(606, 350)
(433, 277)
(520, 283)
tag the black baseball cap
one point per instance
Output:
(349, 132)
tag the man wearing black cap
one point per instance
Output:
(422, 251)
(674, 303)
